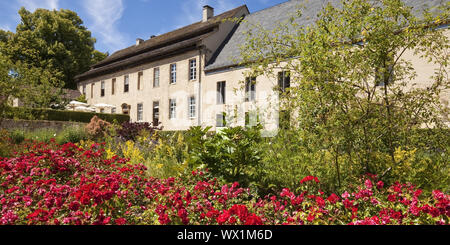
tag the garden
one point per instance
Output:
(135, 173)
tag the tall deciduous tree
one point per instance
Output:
(356, 105)
(55, 41)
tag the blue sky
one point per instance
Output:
(117, 23)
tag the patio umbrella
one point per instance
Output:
(103, 106)
(82, 108)
(73, 104)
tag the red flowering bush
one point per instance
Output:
(68, 185)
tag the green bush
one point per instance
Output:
(17, 136)
(234, 154)
(41, 135)
(55, 115)
(72, 134)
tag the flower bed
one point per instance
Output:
(57, 185)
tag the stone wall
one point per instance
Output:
(26, 125)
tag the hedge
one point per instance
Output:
(56, 115)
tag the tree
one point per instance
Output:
(55, 41)
(34, 87)
(357, 107)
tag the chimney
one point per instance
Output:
(208, 13)
(139, 41)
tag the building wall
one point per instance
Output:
(147, 93)
(265, 105)
(204, 88)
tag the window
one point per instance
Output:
(172, 108)
(156, 77)
(193, 69)
(284, 81)
(126, 84)
(84, 90)
(113, 86)
(173, 73)
(155, 113)
(140, 112)
(250, 89)
(113, 110)
(92, 90)
(192, 107)
(102, 89)
(140, 79)
(221, 93)
(102, 110)
(220, 120)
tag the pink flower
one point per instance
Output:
(380, 185)
(345, 195)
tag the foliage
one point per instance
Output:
(97, 128)
(130, 131)
(55, 41)
(234, 154)
(34, 87)
(5, 143)
(72, 134)
(56, 115)
(355, 107)
(53, 184)
(82, 99)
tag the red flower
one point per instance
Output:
(223, 218)
(309, 178)
(333, 198)
(380, 185)
(392, 198)
(121, 221)
(368, 184)
(253, 219)
(240, 210)
(74, 206)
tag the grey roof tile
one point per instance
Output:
(271, 17)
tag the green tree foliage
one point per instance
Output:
(354, 102)
(53, 40)
(34, 86)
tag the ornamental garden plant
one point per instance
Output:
(51, 184)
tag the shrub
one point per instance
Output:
(54, 185)
(130, 131)
(97, 128)
(17, 136)
(72, 134)
(41, 135)
(234, 154)
(5, 143)
(55, 115)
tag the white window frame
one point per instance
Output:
(140, 112)
(126, 84)
(193, 69)
(192, 107)
(156, 76)
(172, 108)
(173, 73)
(102, 89)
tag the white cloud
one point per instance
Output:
(105, 15)
(32, 5)
(5, 27)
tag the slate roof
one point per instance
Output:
(177, 39)
(271, 17)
